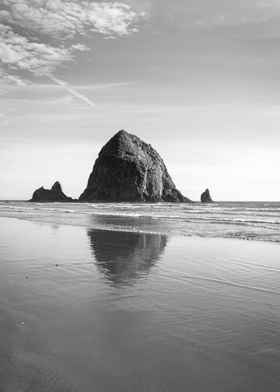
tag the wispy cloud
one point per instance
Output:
(37, 36)
(240, 13)
(272, 111)
(18, 52)
(71, 90)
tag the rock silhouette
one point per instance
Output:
(205, 197)
(130, 170)
(50, 195)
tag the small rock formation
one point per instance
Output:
(205, 197)
(130, 170)
(50, 195)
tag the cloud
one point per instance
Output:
(223, 14)
(67, 18)
(72, 90)
(37, 36)
(273, 111)
(20, 53)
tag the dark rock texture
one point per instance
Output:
(50, 195)
(205, 197)
(130, 170)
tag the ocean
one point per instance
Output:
(241, 220)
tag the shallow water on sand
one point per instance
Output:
(91, 310)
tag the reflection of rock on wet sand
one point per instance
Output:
(123, 256)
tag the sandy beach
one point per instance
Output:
(94, 310)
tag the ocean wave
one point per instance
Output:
(163, 218)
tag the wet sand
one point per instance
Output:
(84, 310)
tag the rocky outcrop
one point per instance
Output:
(130, 170)
(205, 197)
(50, 195)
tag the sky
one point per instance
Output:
(197, 79)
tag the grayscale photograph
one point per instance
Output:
(139, 196)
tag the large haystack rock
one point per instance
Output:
(50, 195)
(130, 170)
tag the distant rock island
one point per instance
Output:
(50, 195)
(130, 170)
(205, 197)
(127, 170)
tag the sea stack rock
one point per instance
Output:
(50, 195)
(205, 197)
(130, 170)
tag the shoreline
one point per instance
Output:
(122, 230)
